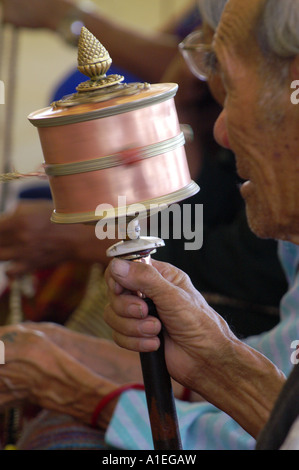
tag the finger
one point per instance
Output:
(132, 327)
(113, 286)
(173, 275)
(150, 282)
(135, 276)
(137, 344)
(129, 306)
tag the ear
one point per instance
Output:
(294, 69)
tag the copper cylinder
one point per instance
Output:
(143, 125)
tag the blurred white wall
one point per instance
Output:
(43, 59)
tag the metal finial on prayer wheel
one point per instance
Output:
(94, 61)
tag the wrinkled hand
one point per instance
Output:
(200, 350)
(35, 13)
(38, 371)
(195, 334)
(30, 359)
(99, 355)
(30, 241)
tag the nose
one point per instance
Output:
(220, 130)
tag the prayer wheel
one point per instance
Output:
(112, 139)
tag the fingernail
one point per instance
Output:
(120, 267)
(136, 310)
(149, 327)
(149, 344)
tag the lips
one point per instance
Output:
(245, 185)
(246, 189)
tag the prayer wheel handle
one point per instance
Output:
(159, 395)
(157, 381)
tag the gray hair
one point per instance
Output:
(211, 11)
(279, 27)
(278, 30)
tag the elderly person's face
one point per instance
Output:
(260, 124)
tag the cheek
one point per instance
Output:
(240, 130)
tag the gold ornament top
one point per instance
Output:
(94, 61)
(91, 51)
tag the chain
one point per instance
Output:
(9, 51)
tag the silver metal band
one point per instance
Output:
(153, 150)
(120, 212)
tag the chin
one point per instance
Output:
(261, 223)
(267, 226)
(267, 220)
(262, 231)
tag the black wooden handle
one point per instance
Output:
(159, 395)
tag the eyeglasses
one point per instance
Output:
(199, 57)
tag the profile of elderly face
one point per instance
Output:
(256, 53)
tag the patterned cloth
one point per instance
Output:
(54, 431)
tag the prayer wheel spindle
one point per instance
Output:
(107, 148)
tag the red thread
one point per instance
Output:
(186, 395)
(108, 398)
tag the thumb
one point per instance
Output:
(142, 277)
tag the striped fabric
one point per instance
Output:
(202, 425)
(276, 344)
(55, 431)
